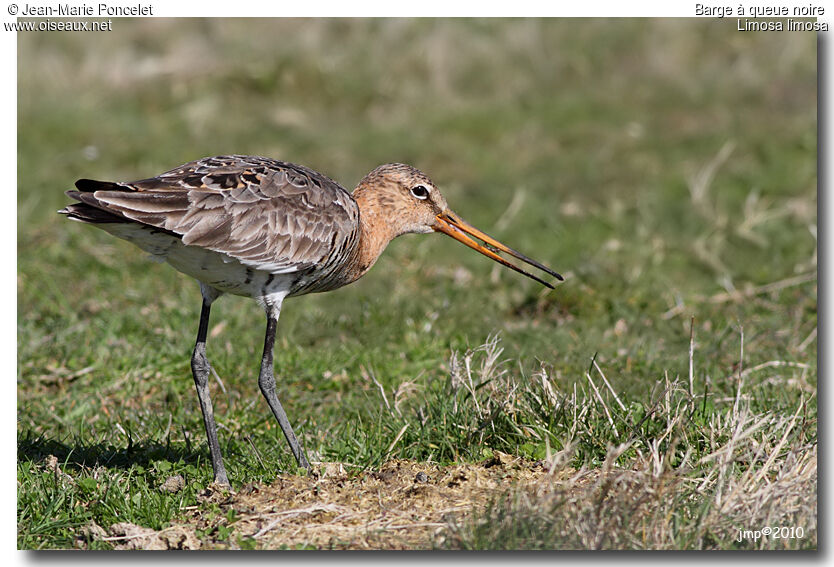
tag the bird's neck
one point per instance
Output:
(375, 232)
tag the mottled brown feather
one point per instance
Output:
(272, 215)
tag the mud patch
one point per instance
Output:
(402, 505)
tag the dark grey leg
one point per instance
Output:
(266, 381)
(200, 368)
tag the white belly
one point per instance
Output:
(215, 269)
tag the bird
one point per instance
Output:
(266, 229)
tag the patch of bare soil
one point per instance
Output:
(125, 535)
(403, 505)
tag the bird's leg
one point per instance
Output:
(200, 368)
(266, 381)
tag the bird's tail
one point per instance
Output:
(88, 209)
(89, 214)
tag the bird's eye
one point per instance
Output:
(420, 191)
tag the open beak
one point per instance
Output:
(451, 224)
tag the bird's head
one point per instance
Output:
(404, 200)
(404, 196)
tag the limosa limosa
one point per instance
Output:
(269, 230)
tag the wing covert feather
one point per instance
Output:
(268, 214)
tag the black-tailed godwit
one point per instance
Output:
(268, 230)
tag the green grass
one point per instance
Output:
(667, 168)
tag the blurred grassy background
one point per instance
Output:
(658, 164)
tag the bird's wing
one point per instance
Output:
(272, 215)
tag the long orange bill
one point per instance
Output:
(451, 224)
